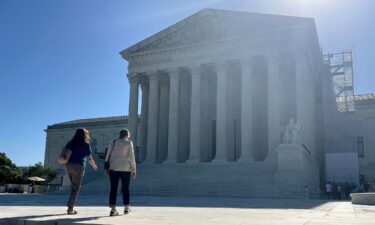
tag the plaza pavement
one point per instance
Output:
(32, 209)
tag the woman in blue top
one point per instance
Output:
(78, 152)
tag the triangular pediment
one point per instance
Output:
(211, 25)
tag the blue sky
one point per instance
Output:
(59, 60)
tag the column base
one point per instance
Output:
(219, 161)
(149, 162)
(169, 161)
(246, 160)
(192, 161)
(272, 158)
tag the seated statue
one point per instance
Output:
(291, 133)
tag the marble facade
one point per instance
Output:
(219, 85)
(218, 91)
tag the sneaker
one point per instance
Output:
(127, 211)
(114, 213)
(71, 212)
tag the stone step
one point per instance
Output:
(197, 179)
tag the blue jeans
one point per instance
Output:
(114, 177)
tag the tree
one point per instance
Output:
(8, 170)
(39, 170)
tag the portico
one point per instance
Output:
(228, 110)
(217, 90)
(221, 90)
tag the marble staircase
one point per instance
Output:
(245, 179)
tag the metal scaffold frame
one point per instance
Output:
(340, 69)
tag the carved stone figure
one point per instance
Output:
(291, 133)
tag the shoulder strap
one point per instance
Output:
(113, 145)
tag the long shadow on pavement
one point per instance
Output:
(27, 219)
(160, 201)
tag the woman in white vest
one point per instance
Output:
(122, 166)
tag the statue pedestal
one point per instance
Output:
(298, 172)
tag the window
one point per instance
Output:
(360, 146)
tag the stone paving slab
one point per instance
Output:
(49, 209)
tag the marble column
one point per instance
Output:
(144, 117)
(246, 111)
(195, 117)
(305, 101)
(133, 107)
(274, 127)
(173, 115)
(152, 125)
(302, 87)
(221, 116)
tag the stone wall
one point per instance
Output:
(102, 132)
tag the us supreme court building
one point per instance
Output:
(232, 104)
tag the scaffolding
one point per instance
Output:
(340, 68)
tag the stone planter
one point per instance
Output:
(363, 198)
(24, 188)
(12, 188)
(40, 188)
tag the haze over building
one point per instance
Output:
(237, 104)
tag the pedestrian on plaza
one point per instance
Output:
(329, 190)
(367, 186)
(334, 190)
(120, 165)
(347, 190)
(371, 187)
(361, 187)
(77, 153)
(323, 194)
(339, 192)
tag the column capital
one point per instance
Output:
(152, 75)
(173, 72)
(246, 65)
(220, 62)
(220, 65)
(143, 81)
(153, 78)
(195, 68)
(245, 60)
(131, 73)
(300, 52)
(133, 78)
(273, 57)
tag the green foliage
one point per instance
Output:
(9, 172)
(39, 170)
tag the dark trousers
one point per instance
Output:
(75, 173)
(114, 177)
